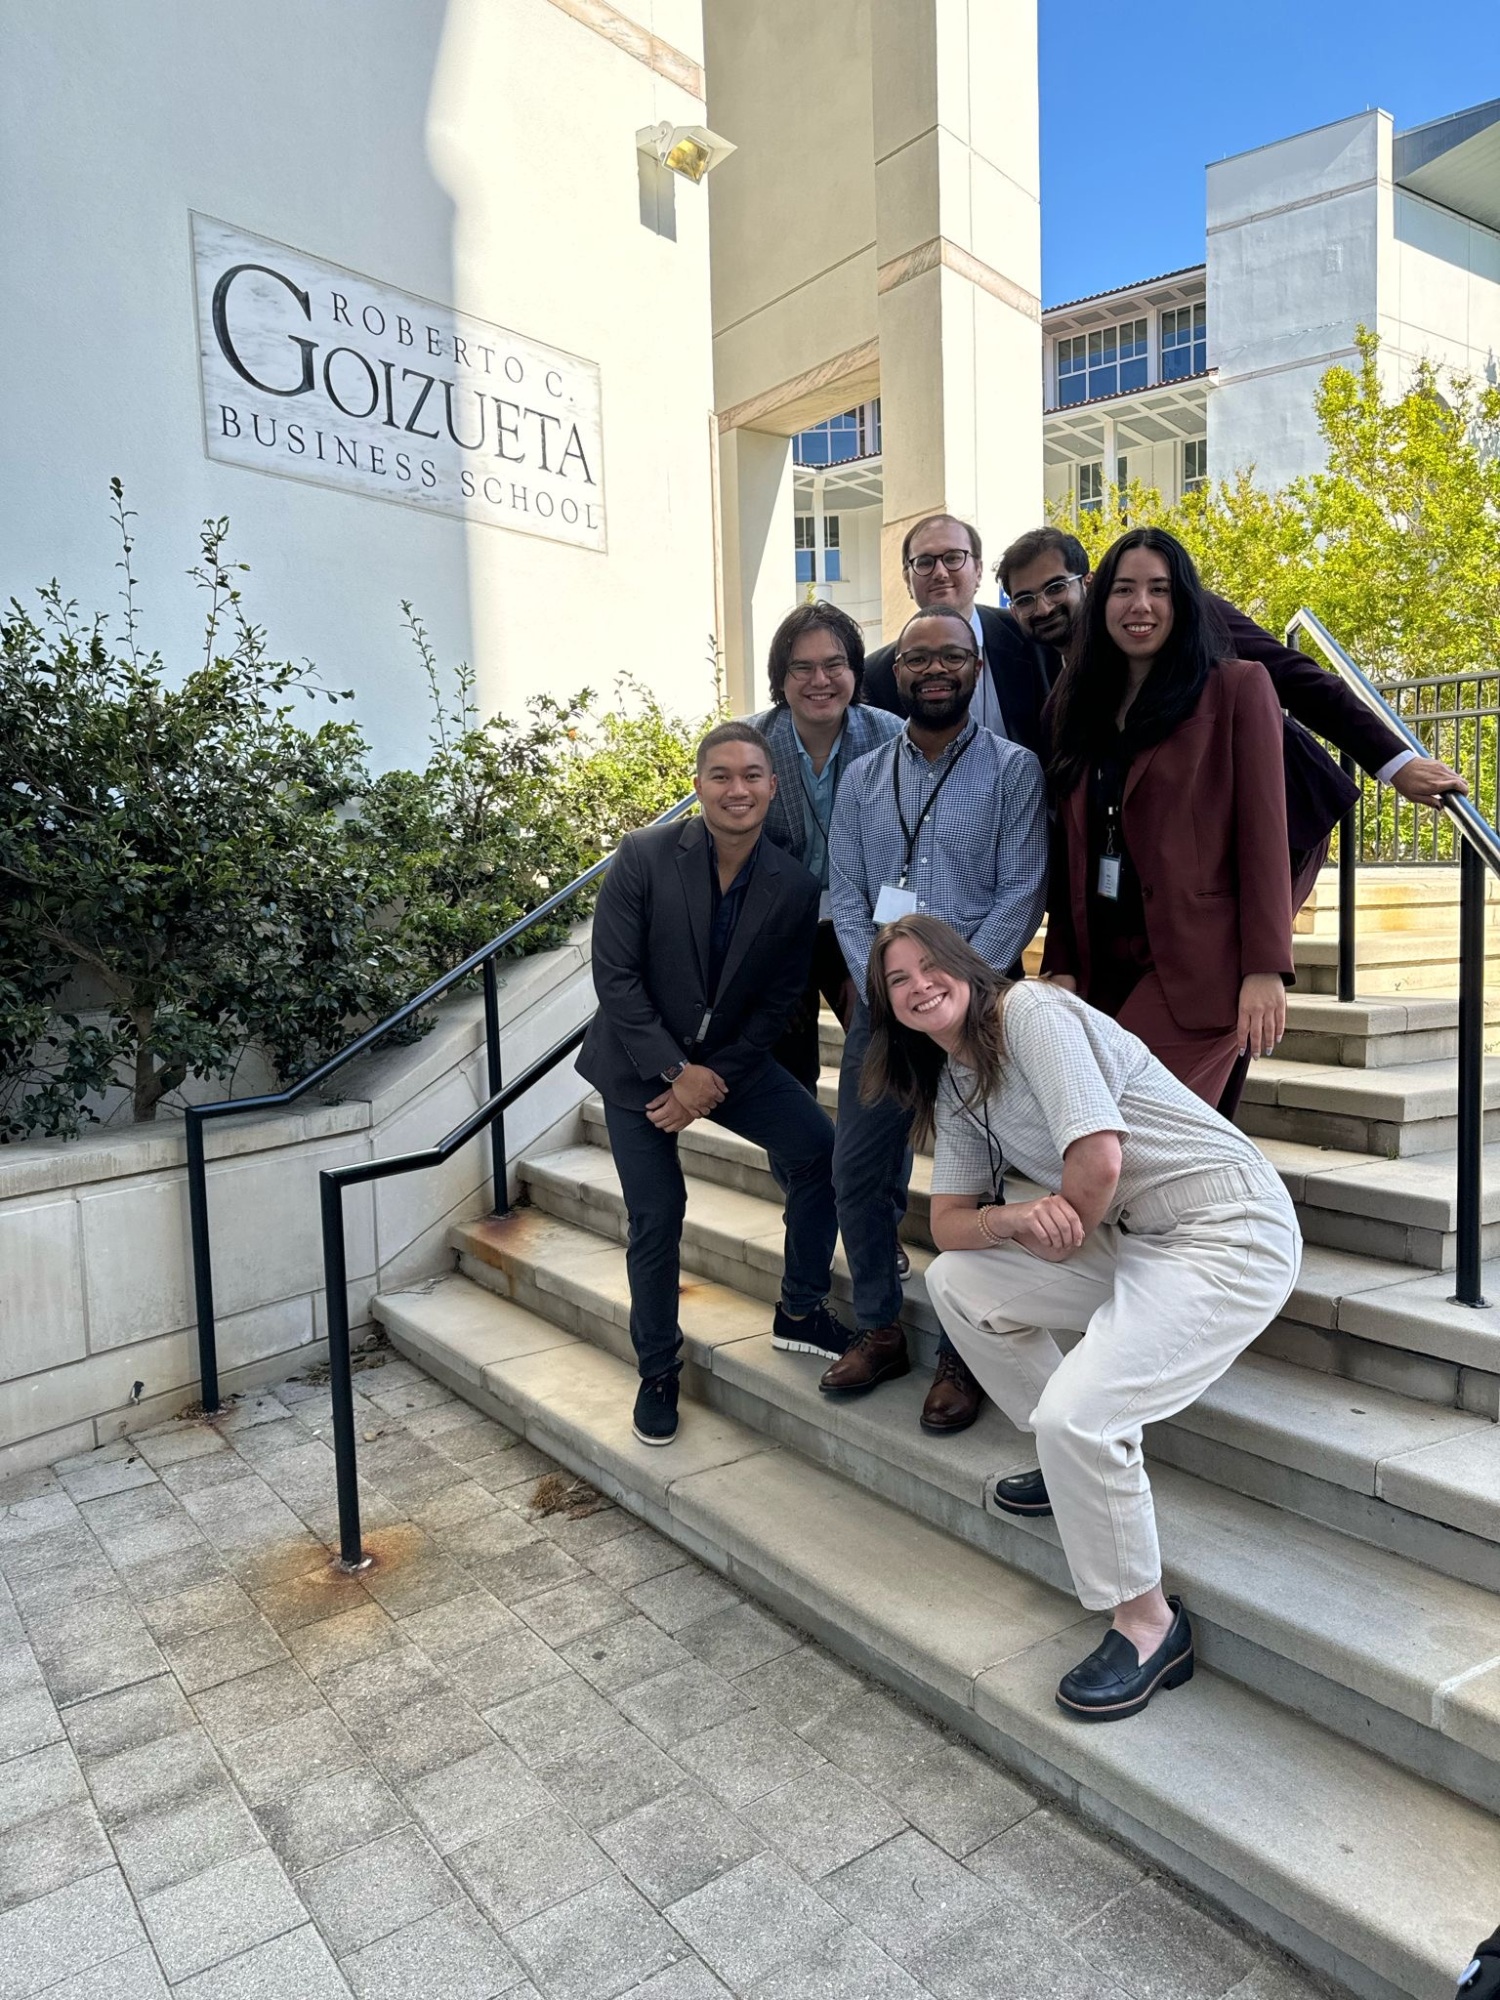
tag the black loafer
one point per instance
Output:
(1023, 1493)
(1114, 1681)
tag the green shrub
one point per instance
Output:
(187, 872)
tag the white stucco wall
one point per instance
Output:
(1307, 240)
(478, 152)
(1293, 250)
(1440, 289)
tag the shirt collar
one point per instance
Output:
(962, 738)
(976, 626)
(803, 753)
(745, 867)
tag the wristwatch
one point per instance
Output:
(671, 1075)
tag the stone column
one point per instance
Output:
(760, 566)
(958, 257)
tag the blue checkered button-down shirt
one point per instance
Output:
(980, 857)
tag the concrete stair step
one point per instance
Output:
(1363, 1319)
(1404, 1211)
(1371, 1643)
(1373, 1875)
(1375, 1031)
(1392, 1113)
(1274, 1429)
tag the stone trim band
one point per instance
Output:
(636, 41)
(938, 250)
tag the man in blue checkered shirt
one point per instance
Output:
(951, 820)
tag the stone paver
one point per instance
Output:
(531, 1755)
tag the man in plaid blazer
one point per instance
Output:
(817, 727)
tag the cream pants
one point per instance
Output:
(1165, 1302)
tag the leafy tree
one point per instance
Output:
(183, 848)
(1395, 543)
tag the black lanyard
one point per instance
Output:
(912, 832)
(981, 1123)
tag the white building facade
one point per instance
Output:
(1354, 224)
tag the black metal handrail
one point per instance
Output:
(331, 1184)
(1479, 850)
(198, 1115)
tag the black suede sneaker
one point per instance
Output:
(655, 1420)
(817, 1333)
(1114, 1681)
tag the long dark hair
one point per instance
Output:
(1088, 694)
(904, 1063)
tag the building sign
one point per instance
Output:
(317, 373)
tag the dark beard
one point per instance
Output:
(940, 714)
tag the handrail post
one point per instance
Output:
(340, 1375)
(1349, 836)
(498, 1168)
(1470, 1073)
(203, 1277)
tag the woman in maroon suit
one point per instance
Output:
(1170, 905)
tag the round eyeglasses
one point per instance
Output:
(951, 559)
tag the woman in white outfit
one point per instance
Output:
(1165, 1239)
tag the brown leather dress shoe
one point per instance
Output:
(877, 1354)
(953, 1400)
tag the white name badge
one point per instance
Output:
(892, 903)
(1109, 877)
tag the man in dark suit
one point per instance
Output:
(940, 559)
(703, 937)
(1045, 573)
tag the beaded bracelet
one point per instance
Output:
(984, 1228)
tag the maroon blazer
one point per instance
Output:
(1204, 819)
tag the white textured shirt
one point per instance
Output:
(1068, 1071)
(985, 707)
(979, 860)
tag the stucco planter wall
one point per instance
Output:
(96, 1289)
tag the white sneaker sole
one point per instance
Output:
(653, 1441)
(805, 1347)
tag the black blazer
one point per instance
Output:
(1317, 792)
(650, 956)
(1021, 671)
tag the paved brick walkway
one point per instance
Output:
(535, 1752)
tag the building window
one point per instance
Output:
(807, 546)
(1091, 487)
(1073, 370)
(1184, 342)
(1103, 363)
(1194, 463)
(806, 543)
(853, 434)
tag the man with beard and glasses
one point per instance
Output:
(1046, 574)
(949, 820)
(942, 566)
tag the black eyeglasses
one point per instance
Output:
(1050, 593)
(952, 657)
(803, 670)
(951, 559)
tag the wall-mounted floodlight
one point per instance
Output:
(689, 150)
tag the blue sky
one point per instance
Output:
(1136, 103)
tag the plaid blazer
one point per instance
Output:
(865, 729)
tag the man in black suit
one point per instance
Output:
(1045, 574)
(703, 940)
(941, 561)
